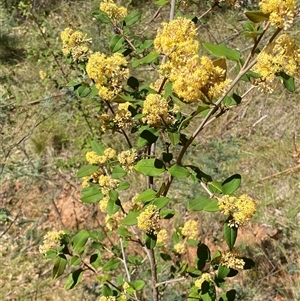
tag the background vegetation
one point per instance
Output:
(45, 130)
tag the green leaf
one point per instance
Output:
(130, 219)
(257, 16)
(161, 2)
(203, 255)
(101, 16)
(132, 18)
(161, 202)
(167, 214)
(150, 167)
(198, 203)
(215, 187)
(113, 204)
(133, 83)
(178, 171)
(194, 272)
(83, 91)
(75, 260)
(146, 195)
(223, 272)
(95, 260)
(174, 137)
(138, 285)
(91, 195)
(111, 265)
(230, 235)
(122, 231)
(97, 147)
(212, 206)
(249, 263)
(79, 241)
(231, 184)
(86, 170)
(123, 186)
(288, 81)
(228, 296)
(59, 266)
(73, 279)
(149, 58)
(118, 172)
(106, 290)
(147, 136)
(116, 43)
(222, 50)
(150, 241)
(167, 157)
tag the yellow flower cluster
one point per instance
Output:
(148, 220)
(123, 117)
(204, 277)
(231, 261)
(127, 159)
(108, 73)
(162, 236)
(107, 183)
(93, 158)
(240, 209)
(109, 298)
(281, 55)
(51, 241)
(105, 122)
(180, 248)
(42, 74)
(75, 43)
(194, 78)
(113, 11)
(156, 110)
(281, 12)
(191, 229)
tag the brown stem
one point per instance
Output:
(153, 275)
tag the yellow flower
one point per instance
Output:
(204, 277)
(148, 220)
(42, 74)
(191, 229)
(112, 10)
(127, 159)
(103, 203)
(107, 183)
(123, 117)
(281, 55)
(240, 209)
(180, 248)
(281, 12)
(75, 43)
(109, 153)
(177, 40)
(109, 298)
(51, 241)
(230, 260)
(155, 110)
(162, 236)
(108, 73)
(105, 122)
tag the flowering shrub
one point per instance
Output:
(139, 251)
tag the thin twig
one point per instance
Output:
(171, 281)
(124, 260)
(288, 170)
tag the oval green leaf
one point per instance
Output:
(222, 50)
(59, 266)
(150, 167)
(79, 240)
(178, 171)
(231, 184)
(230, 235)
(86, 170)
(74, 279)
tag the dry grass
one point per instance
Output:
(259, 139)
